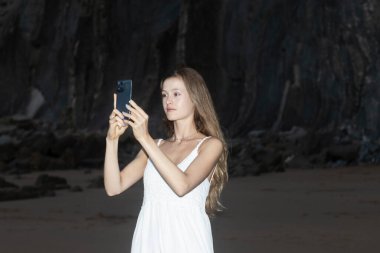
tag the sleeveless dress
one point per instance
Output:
(171, 224)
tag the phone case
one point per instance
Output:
(124, 94)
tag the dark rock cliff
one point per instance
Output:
(269, 64)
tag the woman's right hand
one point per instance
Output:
(117, 125)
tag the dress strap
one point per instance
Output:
(200, 143)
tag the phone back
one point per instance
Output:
(124, 94)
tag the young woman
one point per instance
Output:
(183, 175)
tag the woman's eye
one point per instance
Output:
(176, 94)
(163, 95)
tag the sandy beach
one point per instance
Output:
(320, 210)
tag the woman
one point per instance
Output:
(183, 175)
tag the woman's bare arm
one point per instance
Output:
(183, 182)
(116, 181)
(180, 182)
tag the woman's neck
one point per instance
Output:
(184, 132)
(180, 138)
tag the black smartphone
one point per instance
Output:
(124, 94)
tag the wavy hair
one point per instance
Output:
(207, 123)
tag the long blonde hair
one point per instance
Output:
(207, 123)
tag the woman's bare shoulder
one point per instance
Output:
(212, 142)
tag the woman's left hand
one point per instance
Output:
(138, 120)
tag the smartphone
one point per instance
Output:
(124, 94)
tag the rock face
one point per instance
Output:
(270, 64)
(30, 145)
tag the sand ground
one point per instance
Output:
(321, 210)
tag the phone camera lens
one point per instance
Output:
(119, 89)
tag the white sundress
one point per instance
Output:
(171, 224)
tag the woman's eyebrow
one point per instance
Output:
(171, 89)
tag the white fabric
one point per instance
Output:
(171, 224)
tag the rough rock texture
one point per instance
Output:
(270, 64)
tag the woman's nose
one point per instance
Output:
(169, 100)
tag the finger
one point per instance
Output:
(130, 116)
(113, 120)
(125, 123)
(122, 125)
(137, 119)
(138, 108)
(131, 123)
(114, 100)
(131, 108)
(119, 120)
(112, 115)
(134, 111)
(118, 113)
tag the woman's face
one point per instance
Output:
(176, 100)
